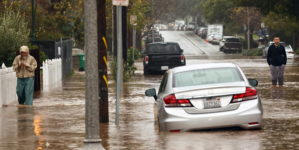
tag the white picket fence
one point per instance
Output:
(52, 71)
(8, 84)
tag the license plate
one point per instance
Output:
(213, 103)
(164, 67)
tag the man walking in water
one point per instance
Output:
(24, 65)
(277, 60)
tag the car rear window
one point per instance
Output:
(207, 76)
(192, 23)
(164, 49)
(232, 40)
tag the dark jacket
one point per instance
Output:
(277, 55)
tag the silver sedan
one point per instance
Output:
(207, 96)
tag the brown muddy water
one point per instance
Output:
(57, 120)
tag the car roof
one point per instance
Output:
(203, 66)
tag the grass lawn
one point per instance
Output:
(255, 37)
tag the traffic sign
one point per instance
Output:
(120, 2)
(133, 20)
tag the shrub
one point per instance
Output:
(128, 68)
(43, 57)
(297, 51)
(13, 34)
(126, 74)
(245, 44)
(253, 52)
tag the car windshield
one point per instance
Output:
(164, 49)
(232, 40)
(207, 76)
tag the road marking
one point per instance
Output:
(189, 46)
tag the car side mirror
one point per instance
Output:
(182, 51)
(151, 92)
(253, 82)
(142, 52)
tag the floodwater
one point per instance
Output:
(57, 122)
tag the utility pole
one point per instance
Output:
(114, 40)
(134, 42)
(33, 22)
(102, 58)
(125, 33)
(119, 62)
(92, 129)
(248, 34)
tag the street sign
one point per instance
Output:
(120, 2)
(133, 20)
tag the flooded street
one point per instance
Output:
(57, 120)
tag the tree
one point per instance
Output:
(244, 15)
(288, 8)
(281, 24)
(14, 33)
(218, 10)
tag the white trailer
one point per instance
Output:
(215, 28)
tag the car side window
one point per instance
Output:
(268, 44)
(163, 83)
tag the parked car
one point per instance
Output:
(162, 56)
(221, 44)
(182, 27)
(196, 29)
(204, 33)
(288, 48)
(261, 35)
(207, 96)
(163, 27)
(149, 40)
(190, 26)
(200, 31)
(232, 45)
(211, 36)
(171, 26)
(216, 39)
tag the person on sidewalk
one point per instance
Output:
(24, 65)
(277, 60)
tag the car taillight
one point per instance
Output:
(171, 101)
(146, 45)
(146, 59)
(291, 52)
(182, 58)
(214, 39)
(248, 95)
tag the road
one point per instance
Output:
(57, 117)
(192, 44)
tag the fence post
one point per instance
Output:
(0, 88)
(46, 73)
(3, 80)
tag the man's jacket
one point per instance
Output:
(24, 71)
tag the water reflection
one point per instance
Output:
(277, 93)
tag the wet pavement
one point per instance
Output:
(57, 120)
